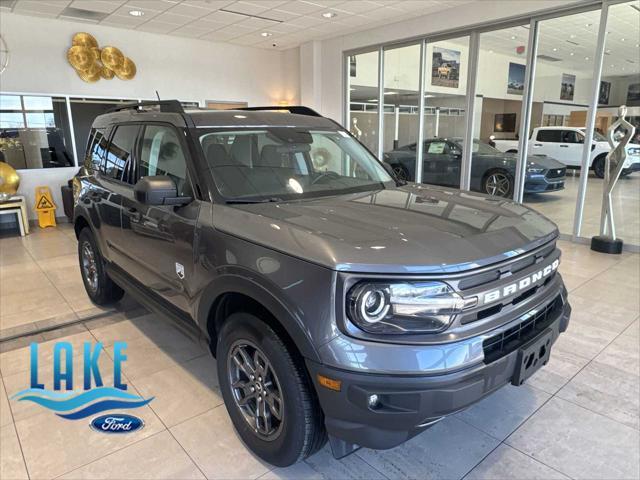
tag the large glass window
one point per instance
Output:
(562, 91)
(401, 104)
(445, 84)
(362, 98)
(34, 132)
(619, 85)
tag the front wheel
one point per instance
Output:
(498, 183)
(267, 392)
(400, 172)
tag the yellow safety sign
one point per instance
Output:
(45, 208)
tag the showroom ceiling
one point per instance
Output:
(259, 23)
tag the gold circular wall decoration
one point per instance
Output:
(80, 58)
(127, 71)
(84, 39)
(92, 63)
(112, 57)
(9, 179)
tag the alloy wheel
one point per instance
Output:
(256, 389)
(400, 173)
(89, 266)
(498, 184)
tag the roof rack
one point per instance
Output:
(297, 109)
(166, 106)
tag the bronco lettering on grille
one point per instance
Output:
(521, 284)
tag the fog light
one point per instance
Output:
(373, 401)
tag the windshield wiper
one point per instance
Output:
(240, 201)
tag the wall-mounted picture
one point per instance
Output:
(352, 66)
(504, 122)
(603, 95)
(567, 86)
(633, 95)
(445, 68)
(515, 82)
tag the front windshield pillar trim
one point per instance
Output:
(420, 145)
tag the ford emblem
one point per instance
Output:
(117, 423)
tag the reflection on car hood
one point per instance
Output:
(410, 229)
(544, 162)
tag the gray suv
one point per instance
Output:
(339, 301)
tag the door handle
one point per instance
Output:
(564, 146)
(134, 214)
(537, 144)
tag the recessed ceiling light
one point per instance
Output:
(637, 45)
(136, 13)
(391, 93)
(490, 51)
(586, 58)
(572, 35)
(555, 49)
(266, 34)
(588, 24)
(513, 37)
(240, 116)
(329, 14)
(572, 54)
(622, 39)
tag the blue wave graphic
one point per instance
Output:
(80, 400)
(44, 393)
(61, 401)
(102, 406)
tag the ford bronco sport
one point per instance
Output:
(339, 301)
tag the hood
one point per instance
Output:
(411, 229)
(509, 160)
(545, 162)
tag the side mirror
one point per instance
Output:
(158, 190)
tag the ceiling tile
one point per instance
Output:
(225, 17)
(49, 8)
(355, 6)
(190, 31)
(286, 27)
(157, 27)
(307, 21)
(235, 30)
(218, 36)
(174, 18)
(208, 25)
(279, 15)
(103, 6)
(123, 21)
(256, 23)
(250, 8)
(189, 10)
(158, 5)
(302, 8)
(208, 4)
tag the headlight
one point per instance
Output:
(535, 169)
(404, 307)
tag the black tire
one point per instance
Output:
(301, 431)
(598, 166)
(100, 288)
(493, 183)
(401, 172)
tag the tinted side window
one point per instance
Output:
(95, 149)
(119, 152)
(571, 136)
(549, 136)
(162, 154)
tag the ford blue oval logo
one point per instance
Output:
(117, 423)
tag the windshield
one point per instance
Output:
(597, 136)
(283, 163)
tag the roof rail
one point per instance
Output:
(168, 106)
(297, 109)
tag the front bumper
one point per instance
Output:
(539, 183)
(408, 404)
(634, 167)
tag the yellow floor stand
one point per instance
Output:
(45, 208)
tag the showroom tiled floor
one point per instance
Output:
(578, 417)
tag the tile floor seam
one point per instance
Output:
(363, 460)
(57, 289)
(15, 429)
(108, 454)
(538, 460)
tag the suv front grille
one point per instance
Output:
(556, 173)
(509, 340)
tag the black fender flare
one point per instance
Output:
(235, 283)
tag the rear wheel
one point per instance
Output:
(498, 183)
(99, 287)
(598, 166)
(267, 392)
